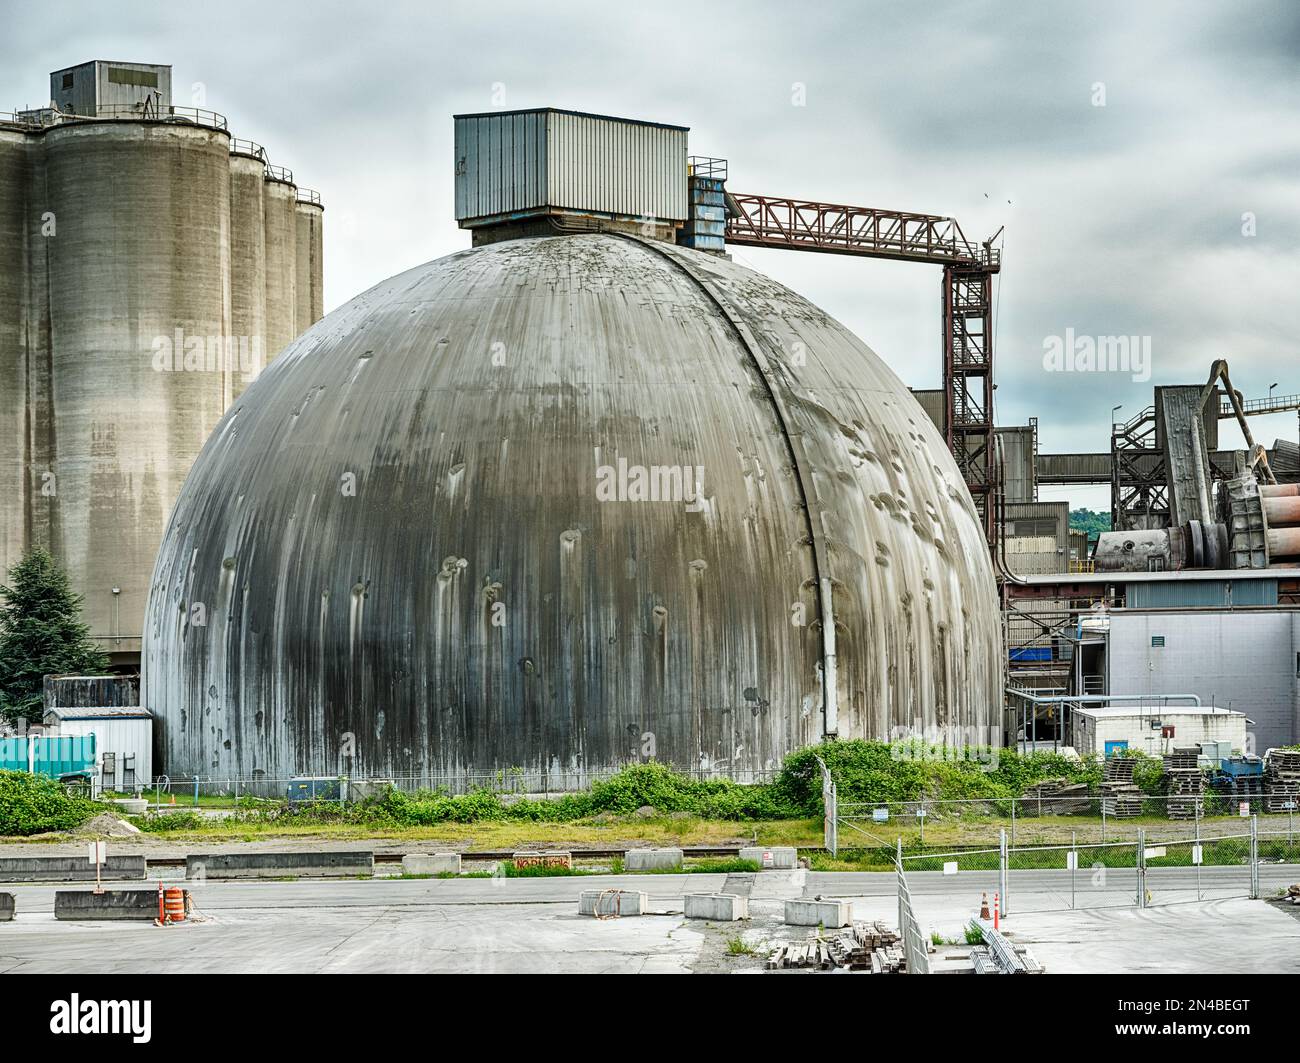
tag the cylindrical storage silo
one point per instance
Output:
(16, 220)
(247, 268)
(139, 298)
(280, 235)
(308, 294)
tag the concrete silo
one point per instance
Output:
(131, 267)
(309, 294)
(18, 224)
(280, 233)
(247, 262)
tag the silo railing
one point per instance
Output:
(308, 195)
(248, 147)
(279, 173)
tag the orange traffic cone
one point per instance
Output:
(984, 906)
(173, 801)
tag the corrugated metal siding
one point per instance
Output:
(1160, 594)
(522, 161)
(617, 167)
(128, 737)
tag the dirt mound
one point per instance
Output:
(106, 825)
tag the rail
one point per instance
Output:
(279, 173)
(248, 147)
(703, 166)
(308, 195)
(45, 117)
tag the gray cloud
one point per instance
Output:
(1123, 219)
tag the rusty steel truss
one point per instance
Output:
(968, 269)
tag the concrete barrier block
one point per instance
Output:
(545, 858)
(280, 865)
(612, 902)
(82, 905)
(718, 907)
(132, 806)
(431, 863)
(652, 859)
(777, 857)
(70, 869)
(830, 914)
(7, 906)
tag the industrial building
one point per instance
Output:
(150, 264)
(430, 547)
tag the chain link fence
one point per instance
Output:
(1051, 822)
(217, 791)
(1141, 872)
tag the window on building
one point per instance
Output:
(118, 75)
(67, 80)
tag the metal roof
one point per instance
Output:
(578, 114)
(99, 712)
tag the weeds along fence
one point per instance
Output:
(219, 790)
(1142, 872)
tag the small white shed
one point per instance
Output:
(1105, 730)
(123, 741)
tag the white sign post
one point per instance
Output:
(98, 857)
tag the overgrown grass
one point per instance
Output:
(33, 804)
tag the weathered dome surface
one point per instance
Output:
(416, 539)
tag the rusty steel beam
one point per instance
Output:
(809, 225)
(968, 270)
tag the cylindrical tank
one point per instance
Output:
(565, 503)
(280, 233)
(308, 297)
(16, 220)
(139, 293)
(247, 266)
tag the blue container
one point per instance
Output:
(52, 757)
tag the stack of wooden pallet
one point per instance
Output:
(864, 947)
(1120, 798)
(1281, 780)
(869, 947)
(815, 953)
(1184, 784)
(1055, 797)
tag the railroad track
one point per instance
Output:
(483, 855)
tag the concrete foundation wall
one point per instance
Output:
(279, 865)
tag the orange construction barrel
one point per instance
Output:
(174, 905)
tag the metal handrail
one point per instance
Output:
(248, 147)
(129, 112)
(308, 195)
(703, 166)
(279, 173)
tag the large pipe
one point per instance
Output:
(1282, 509)
(1085, 699)
(1282, 542)
(1279, 490)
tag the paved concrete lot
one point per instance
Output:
(531, 925)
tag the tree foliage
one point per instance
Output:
(41, 633)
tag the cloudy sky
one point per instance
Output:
(1129, 150)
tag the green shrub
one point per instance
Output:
(33, 804)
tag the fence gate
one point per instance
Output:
(914, 943)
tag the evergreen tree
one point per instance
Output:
(41, 633)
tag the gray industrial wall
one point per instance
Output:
(1244, 659)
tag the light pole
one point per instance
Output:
(1270, 392)
(1114, 410)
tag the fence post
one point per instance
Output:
(1003, 876)
(1074, 869)
(1141, 856)
(1103, 821)
(1254, 856)
(1013, 821)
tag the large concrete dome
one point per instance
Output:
(562, 503)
